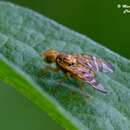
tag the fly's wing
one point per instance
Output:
(96, 64)
(82, 68)
(88, 76)
(95, 84)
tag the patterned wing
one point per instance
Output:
(87, 75)
(78, 70)
(96, 64)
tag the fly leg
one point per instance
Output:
(48, 68)
(65, 77)
(81, 87)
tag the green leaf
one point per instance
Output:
(24, 34)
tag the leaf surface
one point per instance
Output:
(24, 34)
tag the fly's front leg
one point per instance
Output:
(48, 68)
(56, 69)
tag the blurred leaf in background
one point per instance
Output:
(17, 113)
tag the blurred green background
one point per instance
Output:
(18, 113)
(100, 20)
